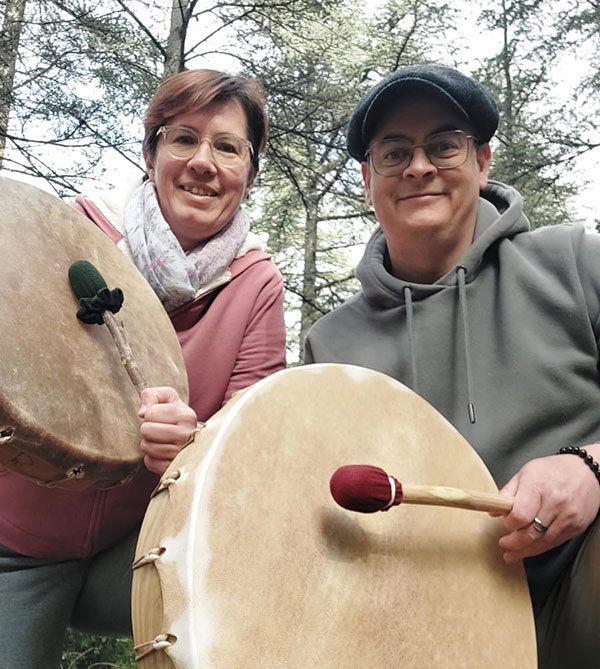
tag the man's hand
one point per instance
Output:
(168, 424)
(561, 491)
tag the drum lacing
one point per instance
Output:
(199, 427)
(6, 435)
(75, 472)
(149, 558)
(159, 642)
(166, 482)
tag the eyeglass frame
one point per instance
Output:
(164, 129)
(422, 145)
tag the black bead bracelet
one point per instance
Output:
(587, 458)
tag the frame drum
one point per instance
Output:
(68, 411)
(245, 560)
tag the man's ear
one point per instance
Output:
(484, 158)
(149, 165)
(366, 175)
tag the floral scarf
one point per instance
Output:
(176, 276)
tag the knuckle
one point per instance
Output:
(574, 521)
(168, 394)
(181, 438)
(148, 448)
(147, 430)
(534, 535)
(517, 519)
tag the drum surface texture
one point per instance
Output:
(66, 401)
(247, 561)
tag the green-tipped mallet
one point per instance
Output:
(97, 304)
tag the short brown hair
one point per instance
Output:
(192, 90)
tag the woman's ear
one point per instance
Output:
(149, 166)
(249, 185)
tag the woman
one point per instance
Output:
(65, 557)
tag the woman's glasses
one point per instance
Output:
(227, 150)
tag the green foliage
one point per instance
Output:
(81, 66)
(84, 651)
(311, 195)
(87, 68)
(306, 196)
(578, 24)
(539, 136)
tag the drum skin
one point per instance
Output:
(66, 401)
(252, 564)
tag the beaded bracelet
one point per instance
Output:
(587, 458)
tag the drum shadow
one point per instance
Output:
(345, 539)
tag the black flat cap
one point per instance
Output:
(466, 95)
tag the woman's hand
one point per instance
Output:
(561, 491)
(168, 424)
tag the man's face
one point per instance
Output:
(424, 204)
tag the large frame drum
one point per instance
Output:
(68, 411)
(245, 560)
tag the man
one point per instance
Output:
(496, 326)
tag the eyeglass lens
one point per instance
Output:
(184, 142)
(445, 150)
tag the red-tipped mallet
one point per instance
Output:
(367, 489)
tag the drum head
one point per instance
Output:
(65, 397)
(258, 567)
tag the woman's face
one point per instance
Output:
(197, 196)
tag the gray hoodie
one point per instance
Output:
(505, 345)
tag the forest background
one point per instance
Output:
(76, 76)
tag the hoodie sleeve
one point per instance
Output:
(586, 247)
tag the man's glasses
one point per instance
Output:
(445, 150)
(227, 150)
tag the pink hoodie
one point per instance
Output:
(231, 337)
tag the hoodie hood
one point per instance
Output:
(500, 215)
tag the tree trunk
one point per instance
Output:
(507, 103)
(309, 279)
(9, 47)
(175, 58)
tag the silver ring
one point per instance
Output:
(538, 525)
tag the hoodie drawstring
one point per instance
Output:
(462, 300)
(411, 335)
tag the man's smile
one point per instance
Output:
(417, 196)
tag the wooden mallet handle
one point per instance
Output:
(463, 499)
